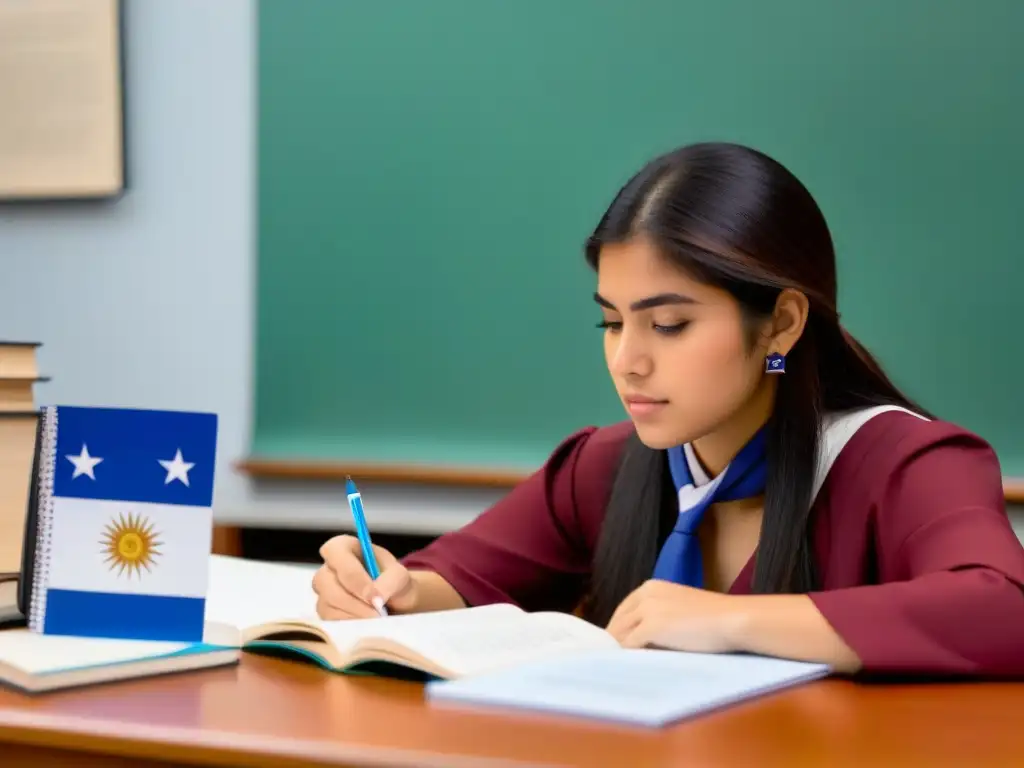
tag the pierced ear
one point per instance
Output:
(788, 320)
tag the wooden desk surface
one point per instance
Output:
(268, 712)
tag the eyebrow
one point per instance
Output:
(650, 302)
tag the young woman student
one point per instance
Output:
(772, 491)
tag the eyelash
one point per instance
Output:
(667, 330)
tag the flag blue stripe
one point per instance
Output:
(127, 616)
(123, 449)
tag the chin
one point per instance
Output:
(658, 437)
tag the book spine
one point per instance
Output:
(44, 519)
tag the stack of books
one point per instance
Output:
(19, 418)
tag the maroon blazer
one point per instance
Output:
(921, 570)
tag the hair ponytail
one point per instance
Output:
(851, 377)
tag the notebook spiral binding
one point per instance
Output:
(44, 522)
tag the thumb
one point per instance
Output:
(391, 579)
(390, 582)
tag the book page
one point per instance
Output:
(41, 654)
(471, 640)
(244, 593)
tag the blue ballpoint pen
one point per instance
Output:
(355, 503)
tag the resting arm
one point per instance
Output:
(950, 601)
(790, 626)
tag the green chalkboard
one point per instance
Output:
(428, 171)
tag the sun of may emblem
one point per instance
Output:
(130, 545)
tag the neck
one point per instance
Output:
(716, 449)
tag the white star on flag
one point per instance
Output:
(84, 463)
(177, 468)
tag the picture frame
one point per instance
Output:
(62, 83)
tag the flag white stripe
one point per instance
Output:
(78, 558)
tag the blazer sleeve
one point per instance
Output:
(529, 548)
(950, 601)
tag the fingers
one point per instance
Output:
(627, 613)
(329, 612)
(638, 636)
(632, 625)
(385, 559)
(343, 556)
(335, 601)
(623, 622)
(344, 582)
(391, 582)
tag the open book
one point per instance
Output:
(443, 644)
(271, 608)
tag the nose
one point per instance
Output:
(628, 356)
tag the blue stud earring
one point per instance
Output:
(775, 363)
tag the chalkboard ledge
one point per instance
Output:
(271, 469)
(1014, 489)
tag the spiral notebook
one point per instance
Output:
(120, 524)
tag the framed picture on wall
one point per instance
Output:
(61, 100)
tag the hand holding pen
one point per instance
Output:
(359, 578)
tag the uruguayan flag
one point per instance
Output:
(130, 523)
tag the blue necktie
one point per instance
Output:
(680, 558)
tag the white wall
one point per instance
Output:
(113, 289)
(114, 292)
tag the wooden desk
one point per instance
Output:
(269, 712)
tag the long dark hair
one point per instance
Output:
(734, 218)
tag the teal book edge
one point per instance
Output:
(191, 650)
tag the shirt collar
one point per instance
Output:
(700, 477)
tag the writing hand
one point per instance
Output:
(345, 590)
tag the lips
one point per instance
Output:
(642, 407)
(643, 400)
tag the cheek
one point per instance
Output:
(703, 368)
(708, 377)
